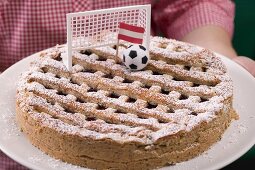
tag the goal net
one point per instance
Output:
(90, 29)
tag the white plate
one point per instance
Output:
(237, 140)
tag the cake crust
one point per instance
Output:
(100, 115)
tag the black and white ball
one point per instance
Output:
(135, 57)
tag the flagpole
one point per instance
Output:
(117, 49)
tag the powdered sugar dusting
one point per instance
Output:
(182, 52)
(13, 130)
(51, 162)
(181, 87)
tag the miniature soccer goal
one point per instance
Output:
(100, 27)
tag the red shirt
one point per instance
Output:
(28, 26)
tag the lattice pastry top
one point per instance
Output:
(182, 86)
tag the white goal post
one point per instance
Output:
(87, 29)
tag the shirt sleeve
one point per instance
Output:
(177, 18)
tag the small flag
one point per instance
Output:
(131, 33)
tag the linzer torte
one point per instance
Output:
(101, 115)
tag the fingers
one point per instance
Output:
(247, 63)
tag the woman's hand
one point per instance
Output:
(247, 63)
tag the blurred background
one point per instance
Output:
(244, 34)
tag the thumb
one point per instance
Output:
(247, 63)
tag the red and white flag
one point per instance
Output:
(131, 33)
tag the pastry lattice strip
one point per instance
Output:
(161, 67)
(135, 91)
(177, 52)
(71, 106)
(146, 77)
(77, 119)
(93, 97)
(110, 67)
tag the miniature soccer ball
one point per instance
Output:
(135, 57)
